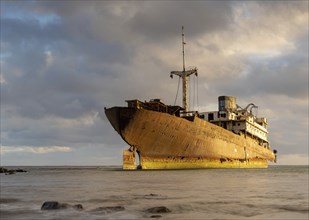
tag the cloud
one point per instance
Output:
(2, 79)
(79, 131)
(34, 150)
(293, 159)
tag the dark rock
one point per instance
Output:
(159, 209)
(156, 216)
(21, 170)
(52, 205)
(3, 170)
(49, 205)
(9, 172)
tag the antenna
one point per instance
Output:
(183, 50)
(184, 75)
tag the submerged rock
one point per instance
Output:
(156, 216)
(8, 200)
(159, 209)
(152, 194)
(78, 207)
(21, 170)
(9, 172)
(3, 170)
(53, 205)
(109, 209)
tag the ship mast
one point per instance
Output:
(184, 74)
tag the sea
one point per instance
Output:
(108, 192)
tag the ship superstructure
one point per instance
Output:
(239, 120)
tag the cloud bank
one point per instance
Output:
(35, 150)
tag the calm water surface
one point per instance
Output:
(279, 192)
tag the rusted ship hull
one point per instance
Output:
(165, 141)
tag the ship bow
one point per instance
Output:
(113, 115)
(120, 117)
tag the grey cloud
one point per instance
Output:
(285, 75)
(159, 19)
(40, 90)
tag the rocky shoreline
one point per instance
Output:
(11, 171)
(155, 212)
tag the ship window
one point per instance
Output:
(210, 116)
(238, 124)
(221, 105)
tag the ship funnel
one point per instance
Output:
(227, 103)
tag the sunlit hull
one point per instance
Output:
(164, 141)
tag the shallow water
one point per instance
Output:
(279, 192)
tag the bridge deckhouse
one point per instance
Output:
(239, 120)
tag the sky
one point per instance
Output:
(62, 62)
